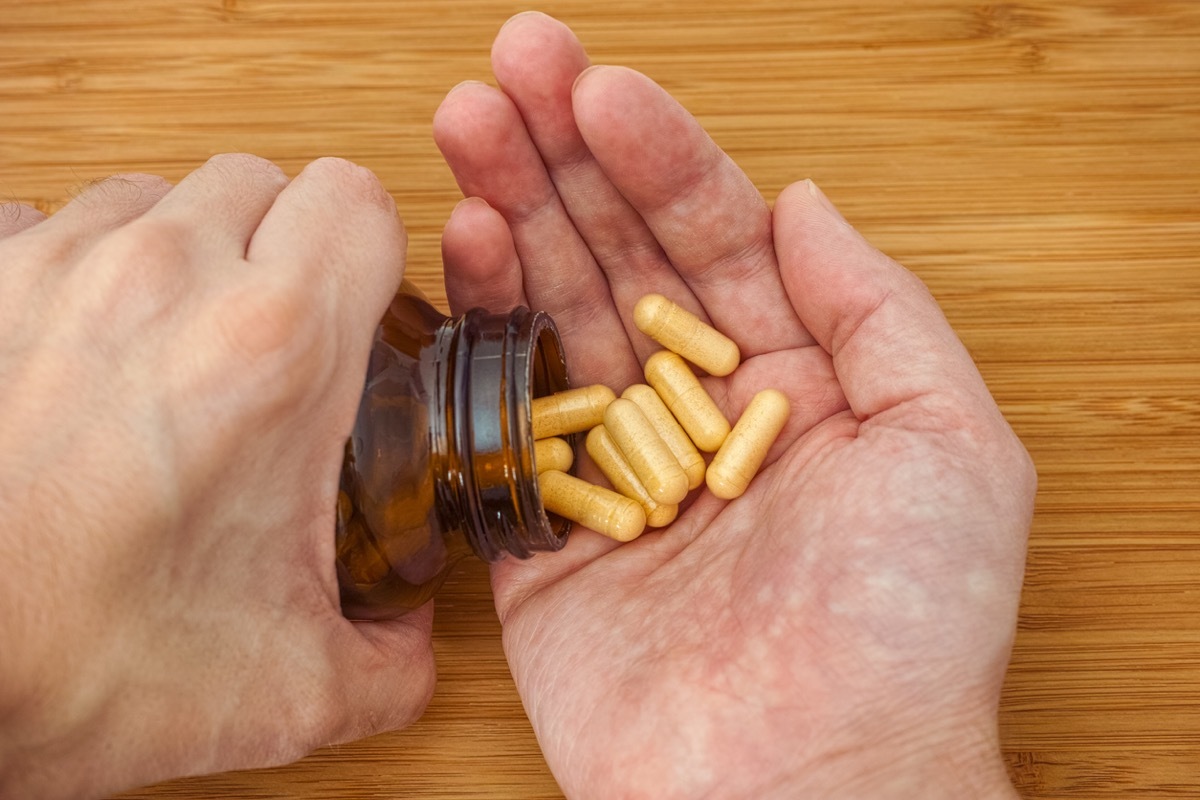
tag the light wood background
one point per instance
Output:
(1037, 163)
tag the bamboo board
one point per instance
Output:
(1036, 163)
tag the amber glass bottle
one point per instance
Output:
(440, 463)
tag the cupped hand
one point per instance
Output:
(842, 629)
(180, 370)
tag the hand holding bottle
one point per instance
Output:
(840, 630)
(179, 370)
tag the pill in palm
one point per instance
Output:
(682, 332)
(608, 457)
(687, 401)
(572, 411)
(651, 459)
(668, 428)
(661, 515)
(552, 453)
(739, 458)
(595, 507)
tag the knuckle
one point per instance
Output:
(146, 240)
(133, 191)
(359, 184)
(239, 165)
(16, 218)
(12, 212)
(142, 182)
(135, 272)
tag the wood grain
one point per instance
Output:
(1036, 163)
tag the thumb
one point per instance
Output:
(890, 343)
(387, 673)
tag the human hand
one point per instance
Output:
(843, 628)
(180, 369)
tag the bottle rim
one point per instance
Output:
(507, 360)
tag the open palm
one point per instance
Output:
(843, 628)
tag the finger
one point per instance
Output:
(17, 217)
(387, 672)
(705, 212)
(536, 60)
(480, 260)
(336, 227)
(483, 139)
(889, 341)
(221, 204)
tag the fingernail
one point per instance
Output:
(465, 84)
(467, 202)
(579, 77)
(825, 202)
(520, 15)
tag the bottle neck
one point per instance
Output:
(492, 366)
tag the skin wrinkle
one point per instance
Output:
(626, 257)
(623, 256)
(572, 162)
(841, 341)
(582, 316)
(622, 252)
(542, 626)
(747, 261)
(529, 214)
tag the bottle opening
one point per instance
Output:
(507, 361)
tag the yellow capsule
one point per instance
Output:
(686, 454)
(571, 411)
(662, 515)
(682, 332)
(746, 446)
(595, 507)
(686, 399)
(646, 452)
(552, 453)
(612, 463)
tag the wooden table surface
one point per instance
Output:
(1036, 163)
